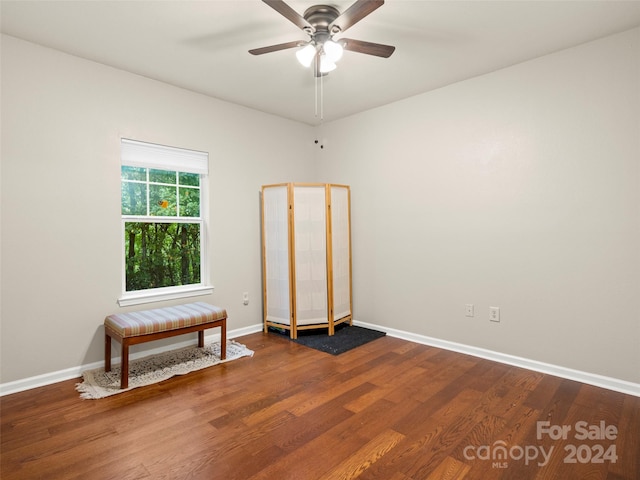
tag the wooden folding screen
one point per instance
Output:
(306, 256)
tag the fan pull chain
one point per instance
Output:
(321, 98)
(315, 84)
(316, 74)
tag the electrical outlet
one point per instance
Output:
(469, 309)
(245, 298)
(494, 314)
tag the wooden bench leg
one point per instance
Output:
(107, 353)
(223, 339)
(201, 338)
(124, 366)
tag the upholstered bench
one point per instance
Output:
(147, 325)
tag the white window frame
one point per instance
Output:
(148, 155)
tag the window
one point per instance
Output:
(163, 192)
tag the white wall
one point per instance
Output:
(518, 189)
(62, 120)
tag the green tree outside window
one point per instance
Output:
(162, 228)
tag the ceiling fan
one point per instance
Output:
(321, 23)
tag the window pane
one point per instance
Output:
(134, 173)
(192, 179)
(162, 201)
(134, 198)
(189, 202)
(162, 176)
(161, 254)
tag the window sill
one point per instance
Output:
(159, 295)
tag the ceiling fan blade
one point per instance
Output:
(354, 14)
(275, 48)
(290, 14)
(368, 48)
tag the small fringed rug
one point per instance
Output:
(155, 368)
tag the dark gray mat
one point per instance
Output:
(345, 338)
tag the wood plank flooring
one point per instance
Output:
(389, 410)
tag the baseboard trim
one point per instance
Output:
(609, 383)
(76, 372)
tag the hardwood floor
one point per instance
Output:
(391, 410)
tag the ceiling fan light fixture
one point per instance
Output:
(333, 50)
(326, 65)
(306, 54)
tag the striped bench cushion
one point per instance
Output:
(133, 324)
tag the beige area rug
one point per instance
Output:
(155, 368)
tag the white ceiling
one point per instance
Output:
(202, 45)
